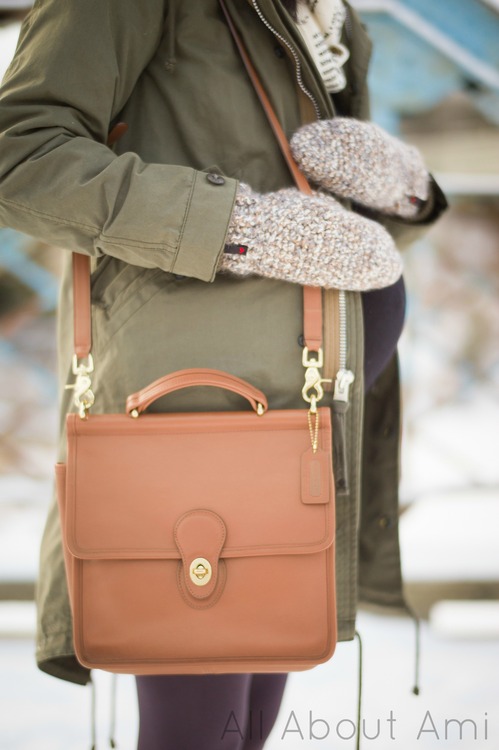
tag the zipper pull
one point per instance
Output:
(344, 380)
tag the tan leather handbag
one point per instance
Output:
(178, 562)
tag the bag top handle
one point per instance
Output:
(137, 402)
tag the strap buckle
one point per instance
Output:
(83, 397)
(313, 379)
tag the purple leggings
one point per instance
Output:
(208, 711)
(238, 711)
(384, 314)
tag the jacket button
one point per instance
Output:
(215, 179)
(279, 51)
(385, 522)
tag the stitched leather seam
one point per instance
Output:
(230, 659)
(283, 424)
(198, 429)
(155, 552)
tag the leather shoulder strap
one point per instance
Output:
(298, 176)
(82, 322)
(312, 296)
(82, 309)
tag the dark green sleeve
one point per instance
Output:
(75, 66)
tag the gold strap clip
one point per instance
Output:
(313, 379)
(313, 382)
(83, 396)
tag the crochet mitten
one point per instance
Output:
(361, 161)
(308, 239)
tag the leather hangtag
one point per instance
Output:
(315, 471)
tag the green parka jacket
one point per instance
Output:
(154, 224)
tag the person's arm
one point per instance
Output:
(75, 66)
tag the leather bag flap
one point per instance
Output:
(129, 481)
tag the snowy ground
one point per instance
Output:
(459, 680)
(8, 36)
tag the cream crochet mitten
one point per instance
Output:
(308, 239)
(361, 161)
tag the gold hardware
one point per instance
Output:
(260, 409)
(313, 379)
(200, 571)
(313, 382)
(313, 404)
(312, 361)
(83, 396)
(314, 428)
(134, 413)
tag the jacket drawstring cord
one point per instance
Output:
(417, 645)
(112, 722)
(359, 691)
(93, 715)
(417, 659)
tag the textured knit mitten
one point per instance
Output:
(310, 240)
(361, 161)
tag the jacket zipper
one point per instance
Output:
(341, 403)
(335, 363)
(295, 57)
(335, 368)
(344, 377)
(348, 23)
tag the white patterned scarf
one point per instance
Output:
(320, 23)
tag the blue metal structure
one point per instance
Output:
(427, 49)
(16, 261)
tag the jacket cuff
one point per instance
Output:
(205, 226)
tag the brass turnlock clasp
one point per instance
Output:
(200, 571)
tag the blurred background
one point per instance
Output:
(434, 82)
